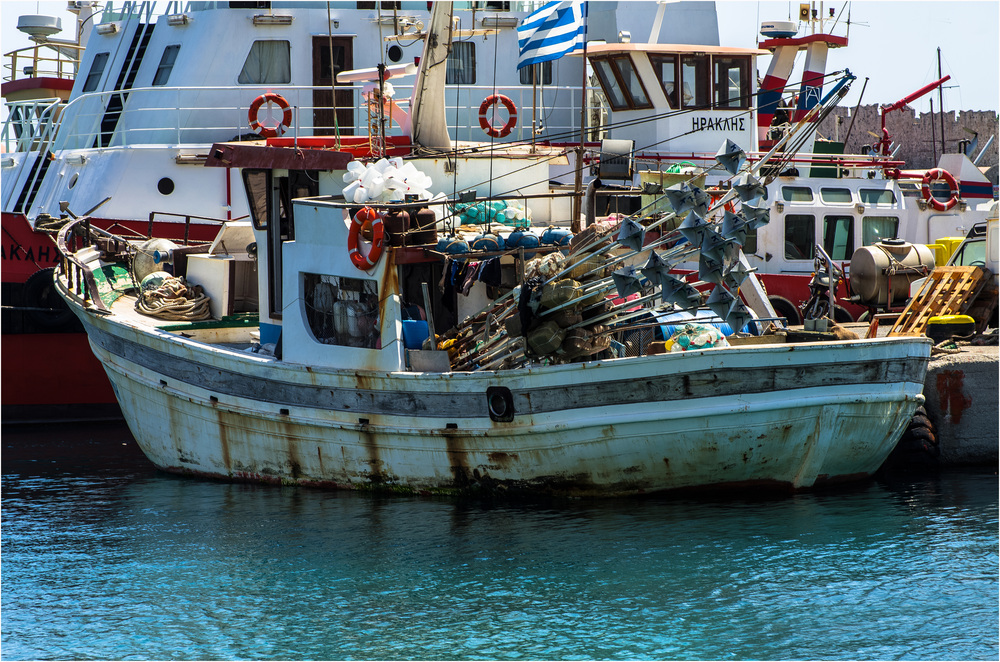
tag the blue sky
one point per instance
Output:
(892, 43)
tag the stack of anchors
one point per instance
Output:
(558, 312)
(562, 310)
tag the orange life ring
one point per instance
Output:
(359, 259)
(266, 131)
(491, 130)
(949, 179)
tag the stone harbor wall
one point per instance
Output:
(962, 395)
(914, 133)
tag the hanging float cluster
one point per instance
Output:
(386, 180)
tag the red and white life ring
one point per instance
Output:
(359, 259)
(491, 101)
(268, 131)
(949, 179)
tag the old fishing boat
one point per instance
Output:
(385, 333)
(123, 127)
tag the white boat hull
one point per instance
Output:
(780, 415)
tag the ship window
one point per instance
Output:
(542, 74)
(342, 311)
(610, 84)
(838, 237)
(665, 67)
(877, 196)
(800, 236)
(630, 81)
(836, 195)
(257, 186)
(694, 81)
(796, 194)
(96, 71)
(621, 83)
(269, 62)
(876, 228)
(732, 82)
(461, 64)
(166, 64)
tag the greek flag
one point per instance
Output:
(553, 30)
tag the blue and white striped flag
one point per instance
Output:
(553, 30)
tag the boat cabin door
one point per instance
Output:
(339, 51)
(274, 191)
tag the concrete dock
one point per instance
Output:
(963, 402)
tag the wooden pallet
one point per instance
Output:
(947, 291)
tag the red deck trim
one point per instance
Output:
(40, 83)
(833, 41)
(259, 155)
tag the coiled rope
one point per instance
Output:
(174, 300)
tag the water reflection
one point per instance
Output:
(106, 558)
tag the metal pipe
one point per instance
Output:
(989, 143)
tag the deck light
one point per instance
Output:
(499, 22)
(272, 19)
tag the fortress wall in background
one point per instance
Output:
(914, 133)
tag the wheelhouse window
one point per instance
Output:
(876, 196)
(836, 196)
(621, 83)
(690, 81)
(257, 184)
(732, 87)
(665, 67)
(166, 64)
(876, 228)
(461, 64)
(838, 237)
(695, 81)
(342, 311)
(800, 236)
(96, 71)
(796, 194)
(540, 73)
(268, 62)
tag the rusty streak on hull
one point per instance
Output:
(633, 428)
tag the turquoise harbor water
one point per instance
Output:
(105, 558)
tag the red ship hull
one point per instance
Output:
(47, 369)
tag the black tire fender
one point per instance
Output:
(785, 308)
(40, 293)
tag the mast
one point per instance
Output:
(427, 107)
(941, 101)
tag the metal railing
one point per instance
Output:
(42, 61)
(198, 115)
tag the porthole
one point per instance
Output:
(395, 53)
(165, 186)
(72, 180)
